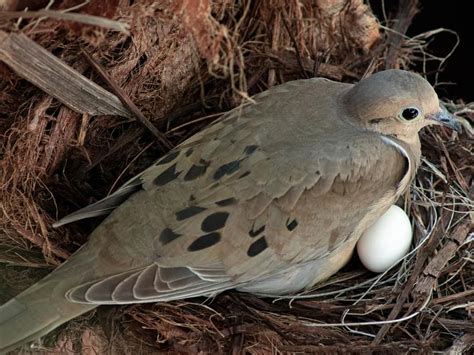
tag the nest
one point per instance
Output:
(183, 63)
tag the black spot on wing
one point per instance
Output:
(250, 149)
(214, 221)
(167, 236)
(227, 169)
(291, 225)
(194, 172)
(205, 241)
(254, 233)
(257, 247)
(189, 152)
(189, 212)
(168, 158)
(226, 202)
(166, 176)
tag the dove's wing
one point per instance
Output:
(240, 202)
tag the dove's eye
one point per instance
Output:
(410, 113)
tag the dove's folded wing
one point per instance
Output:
(239, 223)
(240, 202)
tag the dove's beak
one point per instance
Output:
(444, 118)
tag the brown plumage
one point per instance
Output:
(271, 199)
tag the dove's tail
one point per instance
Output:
(39, 309)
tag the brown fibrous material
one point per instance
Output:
(189, 59)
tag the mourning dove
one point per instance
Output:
(270, 199)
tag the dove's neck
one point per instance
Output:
(412, 152)
(349, 113)
(411, 144)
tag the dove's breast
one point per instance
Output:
(334, 212)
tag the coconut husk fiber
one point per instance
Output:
(182, 63)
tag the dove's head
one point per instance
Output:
(397, 103)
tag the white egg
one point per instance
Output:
(386, 241)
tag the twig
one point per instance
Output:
(295, 44)
(436, 265)
(461, 345)
(200, 119)
(126, 101)
(59, 15)
(407, 9)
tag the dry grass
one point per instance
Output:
(182, 63)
